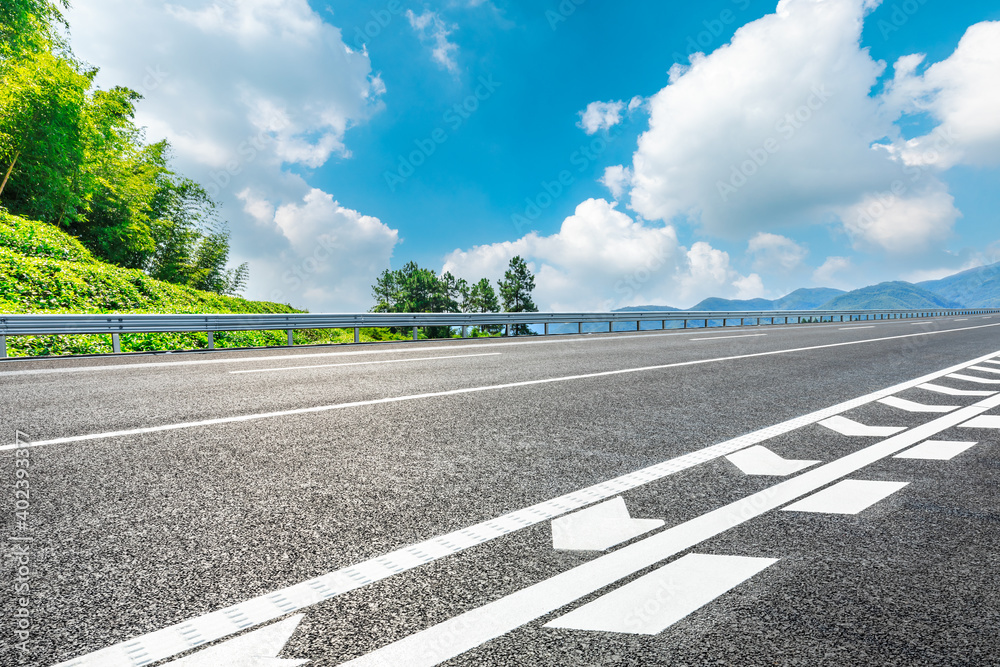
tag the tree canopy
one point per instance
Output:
(72, 155)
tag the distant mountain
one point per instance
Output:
(648, 309)
(715, 303)
(975, 288)
(807, 299)
(892, 295)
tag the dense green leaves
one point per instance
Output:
(72, 156)
(515, 291)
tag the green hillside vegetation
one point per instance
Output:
(44, 270)
(890, 295)
(975, 288)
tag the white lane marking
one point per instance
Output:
(940, 389)
(986, 421)
(259, 648)
(984, 369)
(991, 361)
(728, 337)
(936, 450)
(851, 428)
(924, 322)
(467, 631)
(652, 603)
(913, 406)
(390, 349)
(871, 326)
(599, 527)
(468, 390)
(972, 378)
(556, 340)
(759, 460)
(366, 363)
(966, 319)
(172, 640)
(850, 496)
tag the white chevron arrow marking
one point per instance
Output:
(758, 460)
(970, 378)
(911, 406)
(939, 389)
(985, 369)
(849, 427)
(599, 527)
(254, 649)
(986, 421)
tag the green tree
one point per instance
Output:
(27, 25)
(483, 299)
(416, 290)
(515, 291)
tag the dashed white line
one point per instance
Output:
(870, 326)
(365, 363)
(727, 337)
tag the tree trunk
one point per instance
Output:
(9, 170)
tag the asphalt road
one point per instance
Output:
(259, 504)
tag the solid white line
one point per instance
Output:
(474, 628)
(365, 363)
(472, 390)
(726, 337)
(172, 640)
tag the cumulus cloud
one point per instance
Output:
(780, 128)
(616, 179)
(600, 116)
(775, 253)
(243, 91)
(962, 93)
(601, 259)
(431, 28)
(830, 273)
(335, 255)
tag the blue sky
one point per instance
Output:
(346, 137)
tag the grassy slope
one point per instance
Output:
(43, 270)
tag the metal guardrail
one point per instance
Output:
(37, 325)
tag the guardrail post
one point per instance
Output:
(416, 336)
(665, 324)
(357, 334)
(546, 328)
(611, 327)
(465, 331)
(115, 344)
(211, 340)
(3, 347)
(638, 325)
(291, 341)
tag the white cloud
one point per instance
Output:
(430, 27)
(335, 255)
(616, 179)
(774, 253)
(602, 259)
(776, 129)
(962, 93)
(829, 274)
(600, 116)
(242, 90)
(901, 225)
